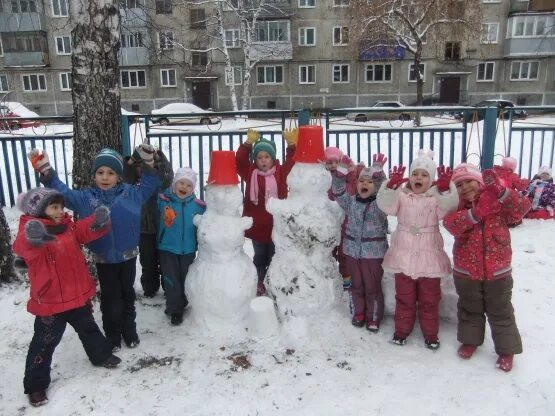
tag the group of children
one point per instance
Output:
(154, 209)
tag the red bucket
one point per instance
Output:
(310, 146)
(223, 168)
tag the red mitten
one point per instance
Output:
(443, 178)
(379, 160)
(396, 177)
(493, 183)
(488, 204)
(39, 161)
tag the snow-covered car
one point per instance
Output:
(386, 114)
(185, 113)
(18, 114)
(503, 108)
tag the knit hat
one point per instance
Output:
(109, 158)
(509, 163)
(36, 200)
(266, 146)
(545, 169)
(425, 161)
(184, 174)
(333, 153)
(466, 171)
(377, 175)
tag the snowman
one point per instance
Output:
(222, 280)
(303, 277)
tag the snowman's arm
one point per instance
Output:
(246, 223)
(197, 219)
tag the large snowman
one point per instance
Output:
(303, 277)
(222, 280)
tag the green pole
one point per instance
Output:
(488, 148)
(304, 117)
(125, 136)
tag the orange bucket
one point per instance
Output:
(223, 168)
(310, 146)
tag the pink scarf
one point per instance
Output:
(270, 185)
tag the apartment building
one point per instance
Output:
(169, 53)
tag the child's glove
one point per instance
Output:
(252, 136)
(345, 165)
(36, 234)
(492, 183)
(101, 218)
(291, 136)
(144, 152)
(379, 160)
(39, 161)
(396, 177)
(444, 175)
(488, 204)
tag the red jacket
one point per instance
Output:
(263, 221)
(482, 249)
(510, 179)
(58, 273)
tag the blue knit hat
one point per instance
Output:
(109, 158)
(264, 145)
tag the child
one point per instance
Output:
(482, 261)
(365, 241)
(60, 285)
(541, 193)
(416, 254)
(177, 238)
(115, 254)
(264, 178)
(508, 177)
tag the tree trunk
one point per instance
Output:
(6, 255)
(96, 94)
(227, 59)
(419, 81)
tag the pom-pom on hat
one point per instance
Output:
(266, 146)
(110, 158)
(509, 163)
(467, 171)
(184, 174)
(545, 169)
(333, 153)
(36, 200)
(425, 161)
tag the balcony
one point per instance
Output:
(22, 22)
(271, 51)
(529, 46)
(17, 59)
(135, 17)
(136, 56)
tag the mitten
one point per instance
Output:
(36, 234)
(493, 183)
(252, 136)
(378, 160)
(39, 161)
(291, 136)
(101, 218)
(488, 204)
(345, 165)
(144, 152)
(396, 177)
(444, 175)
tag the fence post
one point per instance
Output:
(304, 117)
(125, 136)
(490, 131)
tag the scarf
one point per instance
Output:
(270, 185)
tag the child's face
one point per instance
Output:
(105, 178)
(468, 189)
(183, 188)
(366, 187)
(544, 176)
(264, 161)
(55, 212)
(420, 181)
(331, 164)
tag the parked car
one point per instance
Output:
(503, 110)
(18, 113)
(199, 116)
(386, 114)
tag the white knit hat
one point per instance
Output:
(425, 161)
(184, 173)
(545, 169)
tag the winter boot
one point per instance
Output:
(133, 343)
(177, 318)
(466, 350)
(432, 344)
(358, 320)
(38, 398)
(505, 362)
(116, 347)
(398, 340)
(111, 362)
(373, 326)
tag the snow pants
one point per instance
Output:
(48, 334)
(150, 264)
(117, 300)
(366, 288)
(174, 270)
(412, 295)
(263, 253)
(491, 298)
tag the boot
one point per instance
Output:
(373, 326)
(111, 362)
(358, 321)
(505, 362)
(398, 340)
(466, 350)
(38, 398)
(177, 318)
(432, 344)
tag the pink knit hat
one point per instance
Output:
(333, 153)
(466, 171)
(509, 163)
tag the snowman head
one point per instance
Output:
(309, 178)
(224, 199)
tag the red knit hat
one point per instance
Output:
(509, 163)
(466, 171)
(333, 153)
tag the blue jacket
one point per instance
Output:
(124, 201)
(177, 233)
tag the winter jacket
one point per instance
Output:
(366, 230)
(510, 179)
(351, 183)
(177, 233)
(125, 203)
(482, 249)
(58, 273)
(417, 245)
(263, 221)
(542, 194)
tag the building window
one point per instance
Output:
(452, 51)
(307, 36)
(269, 75)
(166, 39)
(378, 73)
(163, 6)
(4, 83)
(66, 82)
(530, 26)
(232, 38)
(340, 3)
(306, 3)
(412, 75)
(272, 31)
(34, 82)
(132, 40)
(234, 75)
(133, 79)
(21, 42)
(307, 74)
(63, 45)
(489, 32)
(340, 73)
(199, 58)
(24, 6)
(340, 36)
(524, 70)
(198, 19)
(129, 4)
(485, 71)
(491, 1)
(167, 78)
(60, 8)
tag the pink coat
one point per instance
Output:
(416, 247)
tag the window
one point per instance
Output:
(307, 36)
(234, 75)
(272, 31)
(232, 38)
(340, 73)
(340, 36)
(485, 71)
(163, 6)
(452, 51)
(524, 70)
(34, 82)
(307, 74)
(167, 78)
(130, 4)
(491, 1)
(59, 8)
(132, 40)
(166, 39)
(489, 32)
(133, 79)
(530, 26)
(63, 45)
(340, 3)
(412, 75)
(65, 81)
(198, 19)
(24, 6)
(269, 75)
(306, 3)
(22, 42)
(4, 83)
(199, 58)
(378, 73)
